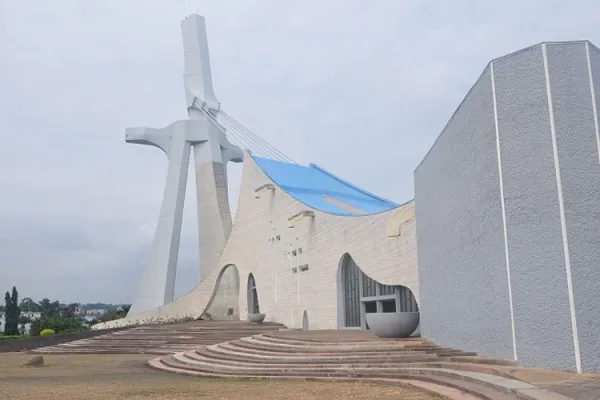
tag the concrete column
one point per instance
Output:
(363, 311)
(158, 282)
(211, 153)
(214, 216)
(397, 299)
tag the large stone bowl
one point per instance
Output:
(256, 318)
(393, 325)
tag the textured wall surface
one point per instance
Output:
(549, 164)
(463, 281)
(541, 307)
(580, 172)
(324, 240)
(214, 217)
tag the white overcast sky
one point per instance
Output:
(360, 87)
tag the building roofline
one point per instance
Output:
(514, 53)
(393, 206)
(345, 182)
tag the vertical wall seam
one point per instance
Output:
(593, 93)
(561, 205)
(503, 207)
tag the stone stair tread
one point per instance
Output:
(185, 357)
(234, 346)
(161, 339)
(189, 359)
(475, 389)
(275, 337)
(483, 360)
(194, 355)
(220, 351)
(448, 393)
(258, 344)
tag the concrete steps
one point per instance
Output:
(161, 339)
(341, 355)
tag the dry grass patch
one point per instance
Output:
(107, 377)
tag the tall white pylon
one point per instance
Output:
(212, 151)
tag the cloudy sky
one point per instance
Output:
(359, 87)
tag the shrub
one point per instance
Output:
(10, 337)
(58, 324)
(47, 332)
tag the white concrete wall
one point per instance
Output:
(324, 240)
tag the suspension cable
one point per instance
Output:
(241, 136)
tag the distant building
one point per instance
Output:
(30, 314)
(98, 312)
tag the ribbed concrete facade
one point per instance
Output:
(508, 213)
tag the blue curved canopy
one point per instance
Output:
(321, 190)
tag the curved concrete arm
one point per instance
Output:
(230, 151)
(150, 137)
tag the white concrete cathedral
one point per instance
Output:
(298, 235)
(307, 249)
(507, 216)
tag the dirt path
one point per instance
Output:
(106, 377)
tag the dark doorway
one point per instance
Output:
(305, 321)
(355, 287)
(350, 280)
(253, 306)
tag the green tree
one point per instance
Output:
(16, 310)
(59, 318)
(115, 313)
(59, 324)
(7, 314)
(69, 310)
(14, 298)
(48, 308)
(11, 320)
(28, 305)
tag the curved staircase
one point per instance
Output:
(355, 355)
(161, 339)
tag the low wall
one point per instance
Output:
(7, 346)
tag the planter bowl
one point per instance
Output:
(256, 318)
(393, 325)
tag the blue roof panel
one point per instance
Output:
(312, 186)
